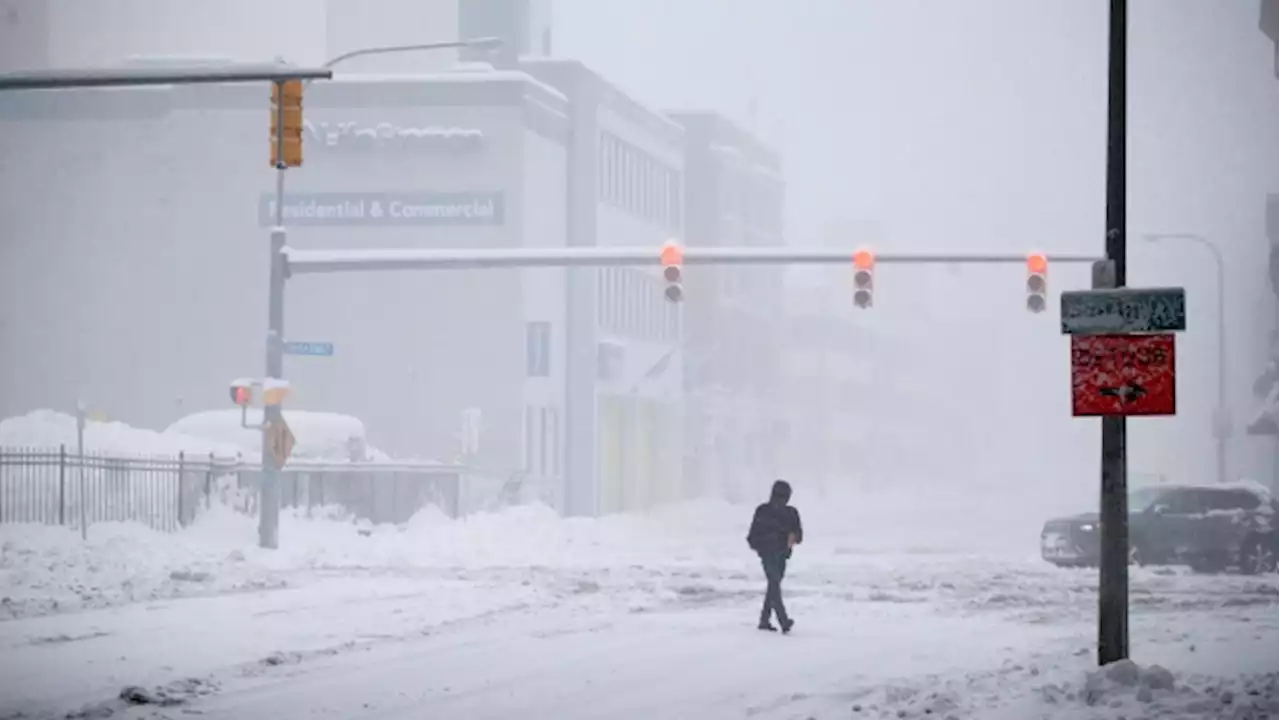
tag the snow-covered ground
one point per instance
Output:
(524, 614)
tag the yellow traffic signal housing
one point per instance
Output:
(286, 105)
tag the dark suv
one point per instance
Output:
(1209, 527)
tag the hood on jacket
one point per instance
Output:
(781, 492)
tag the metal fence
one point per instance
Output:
(54, 486)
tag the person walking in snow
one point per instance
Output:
(775, 530)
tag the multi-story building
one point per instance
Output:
(734, 196)
(624, 358)
(147, 262)
(576, 374)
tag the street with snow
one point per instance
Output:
(524, 614)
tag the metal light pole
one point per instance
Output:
(272, 415)
(1221, 428)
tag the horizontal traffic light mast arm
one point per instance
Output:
(329, 261)
(128, 76)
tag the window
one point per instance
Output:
(638, 183)
(1232, 500)
(543, 437)
(538, 349)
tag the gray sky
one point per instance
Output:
(980, 125)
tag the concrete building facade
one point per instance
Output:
(136, 278)
(624, 355)
(734, 195)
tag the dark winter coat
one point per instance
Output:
(773, 522)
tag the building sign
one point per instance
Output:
(384, 209)
(366, 137)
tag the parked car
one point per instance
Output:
(1209, 527)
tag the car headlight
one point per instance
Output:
(1087, 527)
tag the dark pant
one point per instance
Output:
(775, 568)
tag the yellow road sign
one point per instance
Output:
(280, 441)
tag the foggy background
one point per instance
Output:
(904, 125)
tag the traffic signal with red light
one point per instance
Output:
(242, 393)
(672, 258)
(1037, 282)
(864, 266)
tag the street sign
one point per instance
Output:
(1123, 311)
(280, 441)
(1123, 375)
(315, 349)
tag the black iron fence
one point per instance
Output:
(57, 486)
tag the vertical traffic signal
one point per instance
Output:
(672, 258)
(864, 265)
(286, 111)
(1037, 282)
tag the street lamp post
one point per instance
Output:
(1221, 427)
(269, 510)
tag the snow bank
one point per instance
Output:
(319, 435)
(48, 569)
(1124, 689)
(46, 429)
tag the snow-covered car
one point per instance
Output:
(1209, 527)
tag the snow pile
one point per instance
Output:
(1127, 689)
(319, 435)
(47, 429)
(1120, 690)
(47, 569)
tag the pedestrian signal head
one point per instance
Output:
(242, 393)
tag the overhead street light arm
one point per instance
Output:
(484, 42)
(133, 76)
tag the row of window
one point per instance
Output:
(631, 303)
(542, 441)
(631, 179)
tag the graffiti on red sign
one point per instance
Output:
(1123, 375)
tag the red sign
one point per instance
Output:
(1122, 375)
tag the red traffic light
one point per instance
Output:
(672, 254)
(241, 395)
(864, 259)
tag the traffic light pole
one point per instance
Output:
(302, 262)
(1113, 563)
(269, 488)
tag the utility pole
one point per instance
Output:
(1113, 580)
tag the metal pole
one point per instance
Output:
(328, 261)
(1113, 576)
(269, 488)
(1221, 419)
(80, 412)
